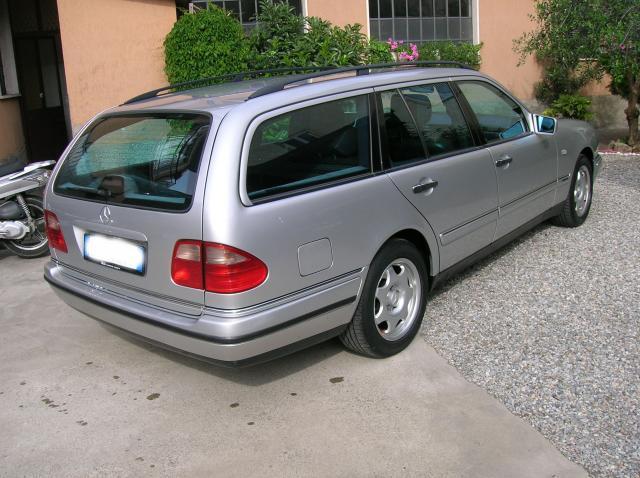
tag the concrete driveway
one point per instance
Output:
(78, 399)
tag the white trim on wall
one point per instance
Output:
(6, 49)
(368, 25)
(305, 8)
(475, 15)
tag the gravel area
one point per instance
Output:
(549, 326)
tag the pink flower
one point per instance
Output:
(398, 47)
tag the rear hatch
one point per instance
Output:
(129, 188)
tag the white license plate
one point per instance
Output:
(115, 253)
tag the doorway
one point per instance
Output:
(39, 64)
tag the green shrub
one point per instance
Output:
(328, 45)
(203, 44)
(275, 41)
(282, 38)
(211, 42)
(378, 52)
(557, 81)
(571, 106)
(466, 53)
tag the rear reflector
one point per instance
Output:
(54, 232)
(216, 267)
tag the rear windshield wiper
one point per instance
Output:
(88, 191)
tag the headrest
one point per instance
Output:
(420, 106)
(346, 145)
(322, 119)
(399, 109)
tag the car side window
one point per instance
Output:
(310, 146)
(439, 118)
(500, 117)
(403, 137)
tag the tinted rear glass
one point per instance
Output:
(309, 147)
(139, 160)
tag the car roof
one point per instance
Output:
(225, 96)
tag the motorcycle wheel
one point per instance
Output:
(34, 244)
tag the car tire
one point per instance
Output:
(577, 205)
(392, 302)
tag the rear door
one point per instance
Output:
(526, 163)
(129, 188)
(433, 160)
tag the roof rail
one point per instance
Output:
(318, 71)
(244, 75)
(359, 70)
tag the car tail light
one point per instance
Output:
(186, 265)
(228, 270)
(216, 267)
(54, 232)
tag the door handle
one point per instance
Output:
(504, 160)
(424, 185)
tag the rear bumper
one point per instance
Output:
(229, 337)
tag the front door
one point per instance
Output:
(526, 184)
(526, 163)
(452, 184)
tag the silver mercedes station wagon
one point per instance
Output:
(245, 220)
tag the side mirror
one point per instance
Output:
(545, 124)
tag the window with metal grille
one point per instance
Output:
(421, 20)
(243, 10)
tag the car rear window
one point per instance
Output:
(141, 160)
(310, 147)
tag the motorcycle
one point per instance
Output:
(22, 219)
